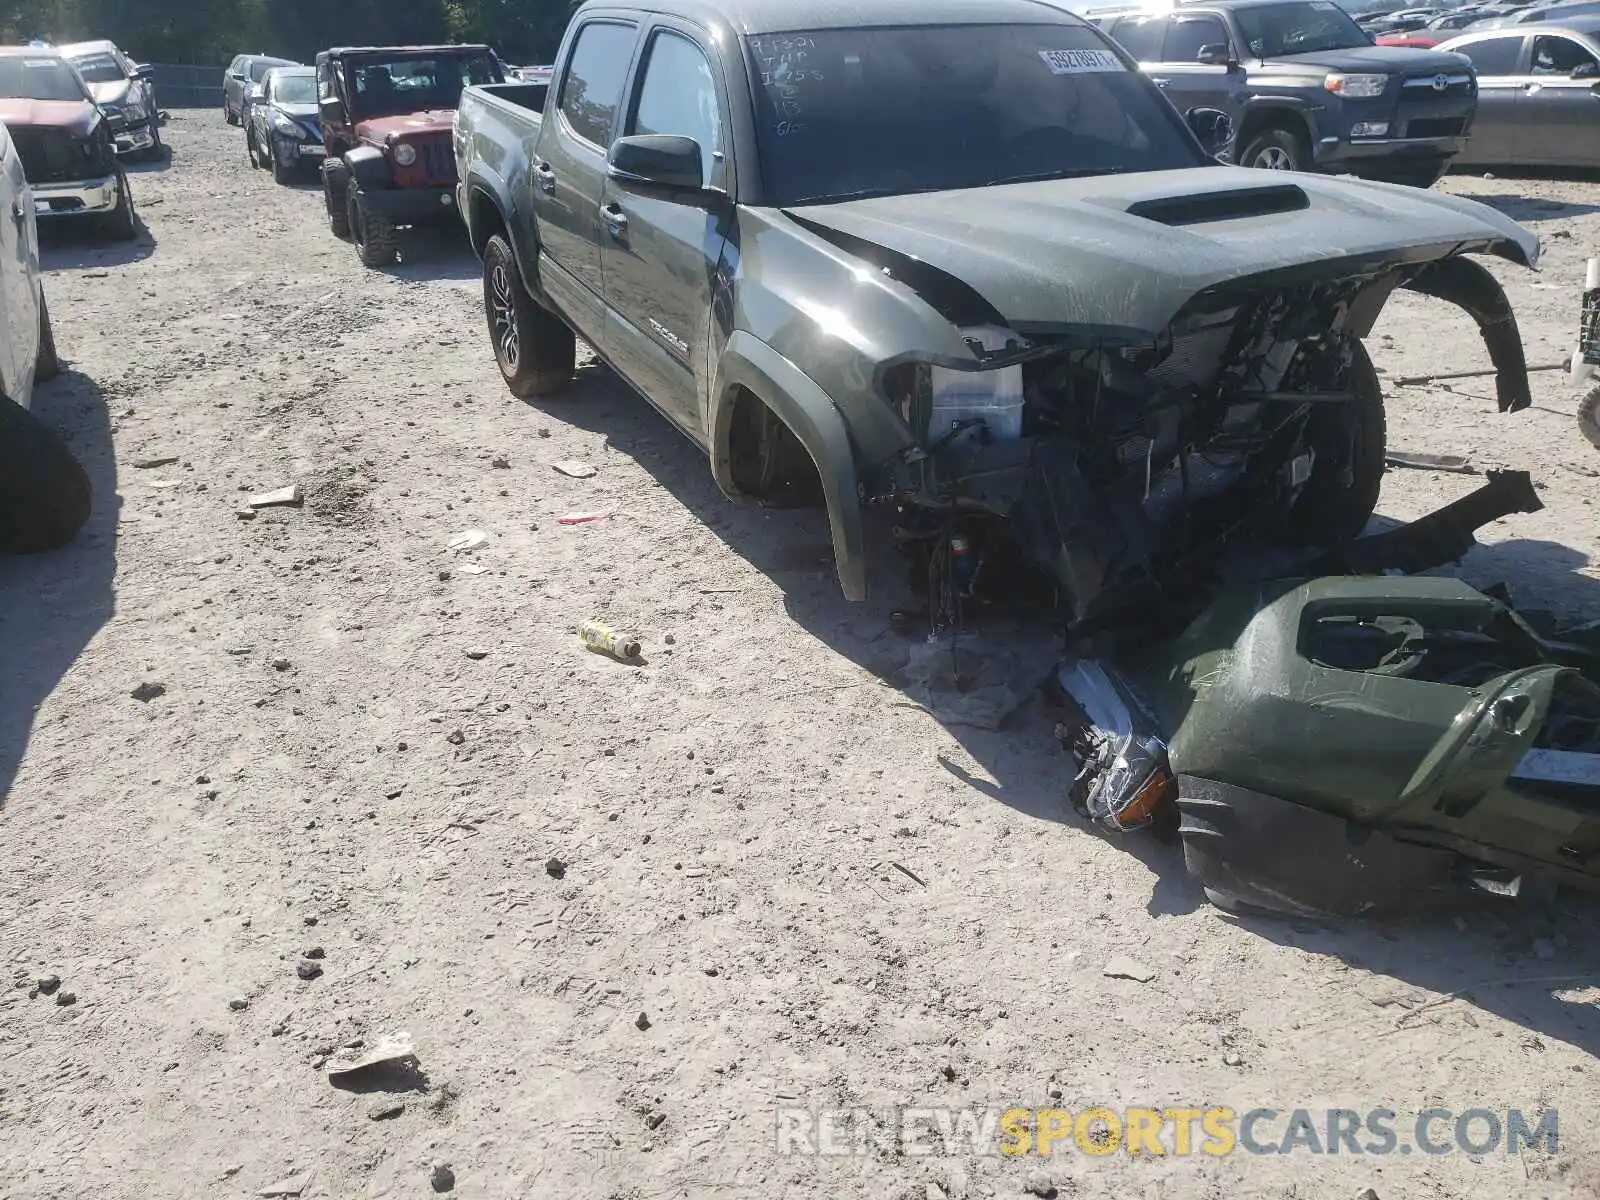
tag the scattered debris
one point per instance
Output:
(555, 868)
(442, 1178)
(574, 468)
(386, 1110)
(467, 539)
(239, 1003)
(66, 999)
(316, 952)
(933, 1192)
(48, 984)
(500, 462)
(151, 464)
(1123, 778)
(455, 737)
(602, 639)
(147, 692)
(1232, 1058)
(585, 518)
(232, 1169)
(291, 1186)
(307, 970)
(388, 1048)
(1454, 463)
(1122, 967)
(908, 873)
(477, 655)
(468, 568)
(642, 1021)
(655, 1120)
(245, 514)
(969, 680)
(278, 498)
(1368, 1194)
(1038, 1184)
(281, 664)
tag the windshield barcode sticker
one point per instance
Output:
(1081, 62)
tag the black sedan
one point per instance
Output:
(1538, 95)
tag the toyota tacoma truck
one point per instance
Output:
(64, 141)
(386, 115)
(1306, 88)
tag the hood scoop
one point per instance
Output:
(1205, 207)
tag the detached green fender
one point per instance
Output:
(749, 363)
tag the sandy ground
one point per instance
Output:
(368, 750)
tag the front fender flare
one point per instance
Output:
(748, 362)
(1469, 286)
(369, 168)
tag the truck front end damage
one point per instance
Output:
(1127, 471)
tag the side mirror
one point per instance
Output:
(1587, 70)
(236, 76)
(332, 111)
(665, 160)
(1214, 55)
(143, 70)
(1212, 127)
(257, 93)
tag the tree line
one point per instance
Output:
(213, 31)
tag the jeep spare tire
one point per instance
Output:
(536, 351)
(44, 493)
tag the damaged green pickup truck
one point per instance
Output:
(960, 258)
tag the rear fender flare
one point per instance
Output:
(751, 364)
(369, 168)
(1470, 287)
(482, 187)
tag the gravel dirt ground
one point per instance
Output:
(367, 752)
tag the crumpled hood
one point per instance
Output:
(303, 115)
(113, 91)
(380, 129)
(1058, 254)
(76, 116)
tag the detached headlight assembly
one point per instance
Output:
(405, 154)
(1356, 87)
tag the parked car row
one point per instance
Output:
(374, 122)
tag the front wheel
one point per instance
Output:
(536, 351)
(1348, 441)
(122, 225)
(158, 149)
(280, 173)
(375, 238)
(1589, 417)
(1275, 150)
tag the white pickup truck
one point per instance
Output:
(44, 494)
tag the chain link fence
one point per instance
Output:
(180, 86)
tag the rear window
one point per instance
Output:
(1140, 36)
(592, 89)
(390, 87)
(1494, 56)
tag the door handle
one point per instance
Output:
(547, 176)
(18, 213)
(1161, 83)
(616, 221)
(1531, 88)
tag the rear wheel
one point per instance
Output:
(1589, 417)
(158, 148)
(1275, 149)
(374, 235)
(333, 194)
(1349, 441)
(44, 493)
(536, 351)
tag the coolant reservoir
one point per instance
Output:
(993, 395)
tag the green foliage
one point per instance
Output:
(213, 31)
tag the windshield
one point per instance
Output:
(99, 68)
(294, 89)
(843, 113)
(1305, 27)
(38, 79)
(407, 85)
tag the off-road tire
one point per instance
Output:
(338, 211)
(1589, 417)
(536, 351)
(47, 364)
(767, 460)
(1276, 148)
(1349, 440)
(122, 223)
(374, 235)
(44, 493)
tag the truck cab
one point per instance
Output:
(386, 117)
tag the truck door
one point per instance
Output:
(19, 322)
(1192, 79)
(569, 170)
(660, 250)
